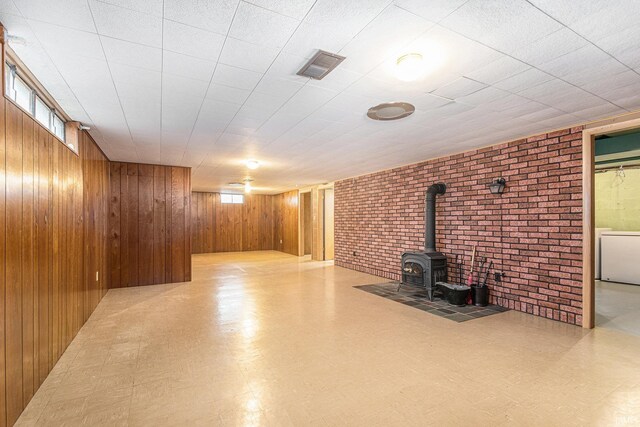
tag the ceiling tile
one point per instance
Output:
(550, 47)
(351, 16)
(248, 56)
(67, 13)
(63, 41)
(187, 66)
(623, 46)
(309, 38)
(583, 65)
(183, 91)
(459, 88)
(125, 24)
(136, 83)
(307, 99)
(506, 25)
(256, 25)
(265, 102)
(229, 94)
(339, 79)
(433, 10)
(236, 77)
(448, 52)
(498, 70)
(153, 7)
(594, 19)
(529, 78)
(286, 66)
(483, 96)
(429, 102)
(192, 41)
(133, 54)
(384, 38)
(210, 15)
(294, 8)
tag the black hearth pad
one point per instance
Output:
(417, 298)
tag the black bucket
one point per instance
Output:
(480, 295)
(458, 297)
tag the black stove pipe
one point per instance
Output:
(430, 215)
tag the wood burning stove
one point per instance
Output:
(425, 269)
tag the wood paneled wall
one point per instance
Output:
(149, 224)
(287, 226)
(53, 237)
(227, 227)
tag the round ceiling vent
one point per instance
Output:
(391, 111)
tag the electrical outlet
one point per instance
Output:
(97, 276)
(280, 241)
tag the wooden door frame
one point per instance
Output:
(301, 212)
(618, 124)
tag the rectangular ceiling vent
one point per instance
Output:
(320, 65)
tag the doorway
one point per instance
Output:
(328, 224)
(306, 214)
(611, 228)
(617, 231)
(316, 223)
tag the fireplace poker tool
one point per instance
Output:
(482, 262)
(486, 274)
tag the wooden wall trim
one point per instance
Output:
(3, 254)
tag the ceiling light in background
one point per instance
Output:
(410, 67)
(252, 164)
(391, 111)
(247, 185)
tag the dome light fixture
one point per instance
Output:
(252, 164)
(410, 67)
(390, 111)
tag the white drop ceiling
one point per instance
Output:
(210, 83)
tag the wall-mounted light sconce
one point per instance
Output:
(497, 186)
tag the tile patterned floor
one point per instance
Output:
(264, 338)
(417, 298)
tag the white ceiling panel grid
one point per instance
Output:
(210, 83)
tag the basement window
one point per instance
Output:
(19, 91)
(232, 198)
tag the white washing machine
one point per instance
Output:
(598, 269)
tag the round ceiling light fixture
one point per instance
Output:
(252, 164)
(391, 111)
(409, 67)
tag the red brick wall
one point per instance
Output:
(533, 232)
